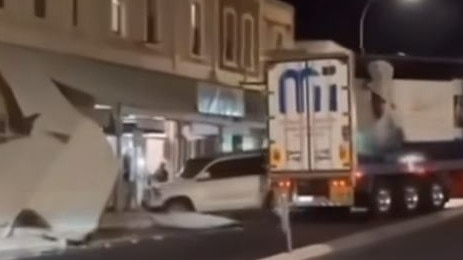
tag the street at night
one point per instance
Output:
(231, 129)
(260, 237)
(439, 242)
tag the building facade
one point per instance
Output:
(181, 64)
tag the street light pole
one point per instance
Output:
(362, 26)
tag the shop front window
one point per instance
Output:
(242, 143)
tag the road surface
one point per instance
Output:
(260, 237)
(443, 242)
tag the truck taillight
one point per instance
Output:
(284, 184)
(340, 183)
(284, 188)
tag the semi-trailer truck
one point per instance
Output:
(381, 144)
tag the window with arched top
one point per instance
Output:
(247, 48)
(229, 38)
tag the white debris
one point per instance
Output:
(26, 246)
(19, 178)
(28, 231)
(65, 170)
(126, 220)
(158, 238)
(192, 221)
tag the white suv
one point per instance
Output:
(226, 183)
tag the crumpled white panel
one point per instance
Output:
(65, 170)
(74, 192)
(28, 246)
(192, 220)
(36, 93)
(24, 162)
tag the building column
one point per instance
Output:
(118, 194)
(220, 139)
(172, 147)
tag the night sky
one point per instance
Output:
(430, 28)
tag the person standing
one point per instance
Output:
(161, 174)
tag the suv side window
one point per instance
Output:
(238, 167)
(223, 169)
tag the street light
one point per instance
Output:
(363, 17)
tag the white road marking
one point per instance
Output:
(372, 236)
(454, 203)
(304, 253)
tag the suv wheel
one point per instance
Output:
(179, 205)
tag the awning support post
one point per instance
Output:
(118, 194)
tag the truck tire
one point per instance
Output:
(381, 200)
(434, 196)
(407, 197)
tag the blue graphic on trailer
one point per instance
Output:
(298, 76)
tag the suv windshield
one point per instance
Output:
(193, 167)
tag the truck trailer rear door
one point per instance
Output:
(310, 115)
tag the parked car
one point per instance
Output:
(225, 183)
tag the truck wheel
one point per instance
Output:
(407, 197)
(381, 200)
(434, 196)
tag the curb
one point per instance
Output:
(369, 237)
